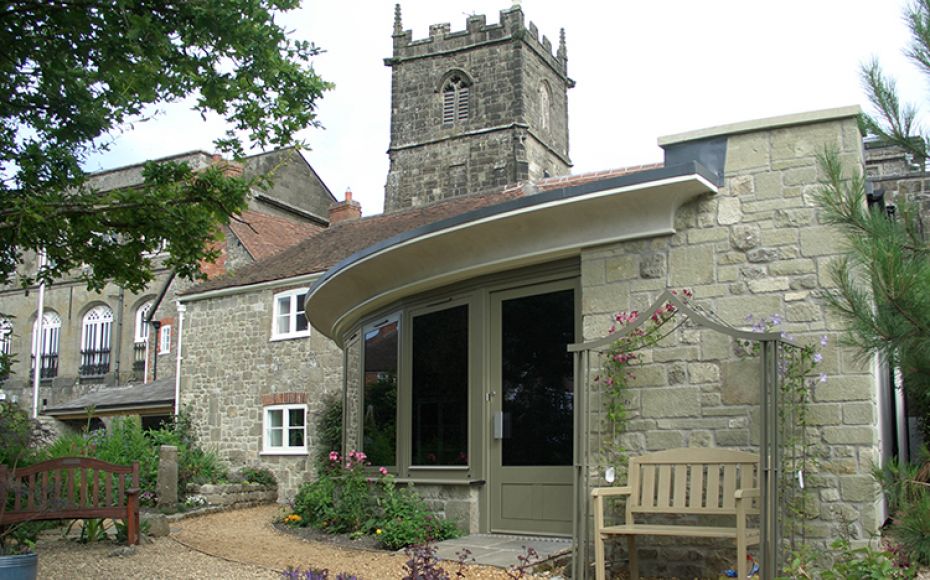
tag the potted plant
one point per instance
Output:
(18, 560)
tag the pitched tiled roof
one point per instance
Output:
(265, 235)
(156, 394)
(339, 241)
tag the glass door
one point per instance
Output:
(532, 409)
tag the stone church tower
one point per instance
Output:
(474, 110)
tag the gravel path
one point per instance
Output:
(233, 544)
(162, 559)
(248, 536)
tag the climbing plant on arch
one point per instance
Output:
(606, 372)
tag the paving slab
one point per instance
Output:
(503, 550)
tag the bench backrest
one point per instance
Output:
(690, 480)
(67, 488)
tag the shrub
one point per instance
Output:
(260, 475)
(329, 428)
(865, 563)
(912, 530)
(342, 500)
(314, 502)
(902, 483)
(406, 520)
(125, 441)
(16, 433)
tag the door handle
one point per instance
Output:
(501, 425)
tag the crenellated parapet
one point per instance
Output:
(477, 33)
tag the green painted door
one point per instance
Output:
(532, 409)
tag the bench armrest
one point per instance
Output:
(611, 491)
(746, 493)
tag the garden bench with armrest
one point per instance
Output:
(686, 481)
(71, 488)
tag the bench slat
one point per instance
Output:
(747, 476)
(665, 486)
(648, 486)
(71, 476)
(681, 480)
(713, 486)
(31, 500)
(686, 531)
(108, 487)
(83, 493)
(44, 494)
(696, 497)
(729, 486)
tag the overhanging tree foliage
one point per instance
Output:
(895, 121)
(74, 73)
(884, 281)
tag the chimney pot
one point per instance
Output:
(345, 210)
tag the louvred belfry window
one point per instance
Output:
(455, 100)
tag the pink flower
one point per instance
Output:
(383, 470)
(334, 456)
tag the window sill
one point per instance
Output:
(291, 452)
(280, 337)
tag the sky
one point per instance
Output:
(643, 69)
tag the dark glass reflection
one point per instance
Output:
(537, 378)
(440, 387)
(380, 420)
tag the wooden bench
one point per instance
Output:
(685, 482)
(72, 488)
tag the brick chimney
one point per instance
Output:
(345, 210)
(229, 168)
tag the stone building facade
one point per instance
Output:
(729, 214)
(114, 338)
(233, 369)
(475, 110)
(756, 248)
(747, 240)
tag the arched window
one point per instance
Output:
(6, 336)
(455, 96)
(95, 341)
(48, 345)
(142, 329)
(545, 104)
(141, 336)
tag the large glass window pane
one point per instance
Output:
(440, 387)
(380, 420)
(537, 378)
(284, 314)
(295, 437)
(275, 423)
(301, 319)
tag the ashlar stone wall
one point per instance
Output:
(755, 248)
(230, 362)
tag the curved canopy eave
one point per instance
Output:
(531, 230)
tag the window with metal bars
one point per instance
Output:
(95, 342)
(6, 336)
(46, 345)
(455, 100)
